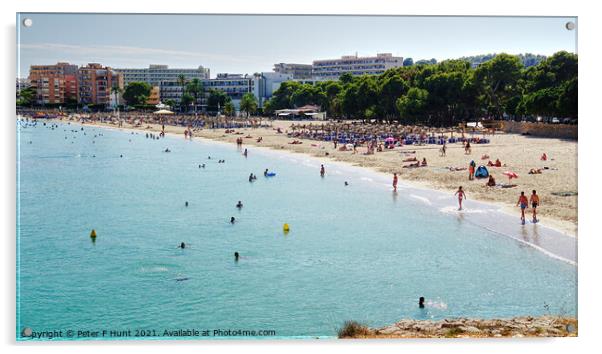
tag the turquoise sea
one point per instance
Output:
(355, 252)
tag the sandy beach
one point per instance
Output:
(517, 153)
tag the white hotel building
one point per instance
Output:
(154, 74)
(331, 69)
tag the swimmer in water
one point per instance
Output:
(245, 153)
(186, 204)
(461, 196)
(120, 155)
(236, 256)
(346, 184)
(265, 173)
(251, 177)
(182, 245)
(232, 220)
(239, 204)
(421, 302)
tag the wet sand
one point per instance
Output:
(518, 153)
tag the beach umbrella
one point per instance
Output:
(163, 111)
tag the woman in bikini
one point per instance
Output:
(461, 196)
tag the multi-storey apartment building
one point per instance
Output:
(54, 84)
(155, 74)
(297, 71)
(354, 65)
(96, 84)
(234, 85)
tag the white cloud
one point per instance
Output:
(130, 52)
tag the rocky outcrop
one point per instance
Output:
(545, 326)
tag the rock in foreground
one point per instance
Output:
(545, 326)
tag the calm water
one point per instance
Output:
(354, 252)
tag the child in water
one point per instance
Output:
(461, 195)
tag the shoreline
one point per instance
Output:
(566, 227)
(557, 243)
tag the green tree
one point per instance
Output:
(116, 90)
(413, 106)
(281, 98)
(195, 89)
(186, 101)
(136, 93)
(392, 86)
(171, 103)
(346, 78)
(229, 109)
(26, 97)
(498, 78)
(217, 98)
(248, 103)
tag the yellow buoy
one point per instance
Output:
(93, 233)
(286, 228)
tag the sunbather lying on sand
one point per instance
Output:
(535, 171)
(410, 159)
(497, 163)
(484, 157)
(413, 165)
(295, 142)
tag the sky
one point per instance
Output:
(253, 43)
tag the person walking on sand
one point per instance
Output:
(395, 182)
(443, 150)
(461, 196)
(322, 171)
(471, 170)
(534, 200)
(524, 204)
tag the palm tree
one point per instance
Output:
(229, 109)
(182, 83)
(116, 90)
(195, 88)
(248, 103)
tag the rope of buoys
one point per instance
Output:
(286, 228)
(93, 234)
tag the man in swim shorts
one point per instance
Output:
(322, 170)
(524, 204)
(534, 200)
(395, 182)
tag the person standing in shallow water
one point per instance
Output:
(461, 195)
(534, 199)
(524, 204)
(395, 182)
(421, 302)
(322, 171)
